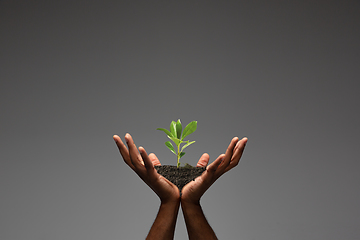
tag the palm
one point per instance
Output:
(193, 191)
(163, 185)
(143, 165)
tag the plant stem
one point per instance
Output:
(178, 155)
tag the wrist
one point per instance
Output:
(187, 206)
(190, 202)
(170, 202)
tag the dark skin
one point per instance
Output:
(164, 225)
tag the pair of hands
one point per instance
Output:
(143, 165)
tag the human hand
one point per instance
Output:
(193, 191)
(143, 165)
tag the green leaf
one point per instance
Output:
(189, 129)
(186, 145)
(170, 146)
(178, 129)
(173, 128)
(166, 131)
(182, 154)
(175, 140)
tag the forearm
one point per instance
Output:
(163, 227)
(197, 226)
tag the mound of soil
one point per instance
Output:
(180, 176)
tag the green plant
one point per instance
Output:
(177, 136)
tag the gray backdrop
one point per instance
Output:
(283, 73)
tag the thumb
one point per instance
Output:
(203, 161)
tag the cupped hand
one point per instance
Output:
(193, 191)
(143, 165)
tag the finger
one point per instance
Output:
(147, 161)
(134, 153)
(215, 164)
(203, 161)
(228, 154)
(155, 161)
(123, 151)
(238, 151)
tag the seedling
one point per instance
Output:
(177, 136)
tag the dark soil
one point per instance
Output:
(180, 176)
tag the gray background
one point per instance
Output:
(283, 73)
